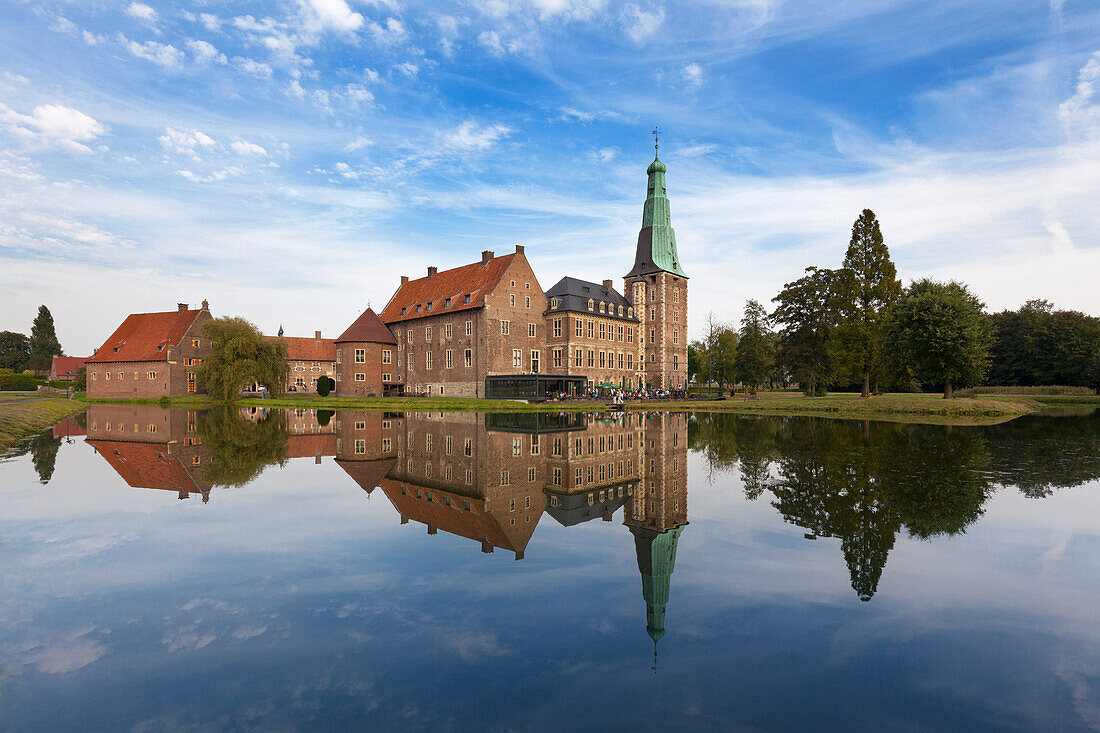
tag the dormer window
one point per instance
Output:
(620, 310)
(429, 307)
(555, 303)
(591, 305)
(404, 311)
(466, 300)
(418, 308)
(447, 303)
(630, 312)
(603, 307)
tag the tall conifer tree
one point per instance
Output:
(44, 343)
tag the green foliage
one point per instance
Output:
(18, 382)
(15, 351)
(807, 309)
(755, 355)
(324, 417)
(939, 331)
(1092, 372)
(81, 382)
(240, 356)
(1038, 345)
(695, 349)
(865, 292)
(714, 354)
(44, 454)
(43, 342)
(324, 386)
(241, 449)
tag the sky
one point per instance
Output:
(289, 161)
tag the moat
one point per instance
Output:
(249, 569)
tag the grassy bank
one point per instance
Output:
(28, 417)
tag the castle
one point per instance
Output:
(486, 329)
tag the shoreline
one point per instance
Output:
(927, 408)
(23, 418)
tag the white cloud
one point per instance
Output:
(185, 142)
(392, 32)
(218, 175)
(358, 144)
(161, 54)
(408, 68)
(243, 147)
(470, 136)
(371, 76)
(251, 66)
(640, 24)
(603, 155)
(491, 41)
(205, 53)
(53, 125)
(693, 74)
(358, 93)
(1080, 114)
(210, 21)
(142, 12)
(93, 40)
(330, 15)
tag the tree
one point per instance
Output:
(695, 356)
(15, 351)
(1038, 345)
(1092, 373)
(80, 384)
(868, 292)
(938, 330)
(240, 356)
(724, 356)
(808, 312)
(44, 343)
(241, 449)
(324, 386)
(755, 356)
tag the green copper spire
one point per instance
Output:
(656, 559)
(656, 240)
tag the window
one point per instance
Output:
(505, 327)
(675, 361)
(466, 299)
(448, 359)
(530, 477)
(578, 478)
(517, 358)
(418, 307)
(601, 360)
(360, 376)
(386, 445)
(527, 302)
(469, 328)
(410, 362)
(409, 336)
(676, 295)
(404, 310)
(469, 357)
(557, 328)
(620, 310)
(385, 376)
(360, 356)
(428, 442)
(591, 304)
(554, 303)
(447, 303)
(603, 330)
(535, 445)
(513, 283)
(194, 343)
(619, 332)
(504, 481)
(629, 361)
(630, 312)
(299, 382)
(557, 357)
(517, 446)
(676, 335)
(387, 356)
(429, 306)
(428, 360)
(467, 448)
(531, 330)
(428, 334)
(512, 298)
(557, 477)
(579, 327)
(629, 335)
(603, 307)
(534, 360)
(447, 330)
(653, 314)
(578, 358)
(150, 375)
(360, 446)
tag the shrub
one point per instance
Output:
(324, 386)
(18, 382)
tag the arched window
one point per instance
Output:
(591, 304)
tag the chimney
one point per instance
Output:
(404, 279)
(519, 249)
(181, 307)
(608, 284)
(486, 256)
(432, 271)
(317, 336)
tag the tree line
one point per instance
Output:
(857, 326)
(20, 353)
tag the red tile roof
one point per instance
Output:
(473, 523)
(145, 336)
(367, 328)
(474, 280)
(310, 446)
(146, 465)
(304, 348)
(66, 365)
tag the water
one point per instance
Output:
(442, 572)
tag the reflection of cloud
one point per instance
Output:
(478, 645)
(68, 653)
(248, 632)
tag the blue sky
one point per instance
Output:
(290, 160)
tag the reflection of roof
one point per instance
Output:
(304, 348)
(474, 280)
(575, 294)
(145, 336)
(431, 509)
(68, 428)
(146, 465)
(573, 509)
(368, 474)
(367, 328)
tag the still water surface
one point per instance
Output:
(168, 570)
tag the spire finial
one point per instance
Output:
(656, 140)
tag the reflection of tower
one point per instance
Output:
(657, 513)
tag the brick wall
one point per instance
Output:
(371, 368)
(591, 347)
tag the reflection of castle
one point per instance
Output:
(487, 478)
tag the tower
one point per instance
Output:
(657, 287)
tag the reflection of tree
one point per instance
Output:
(43, 449)
(240, 449)
(1040, 453)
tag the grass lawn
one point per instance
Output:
(26, 417)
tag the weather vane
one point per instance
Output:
(656, 137)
